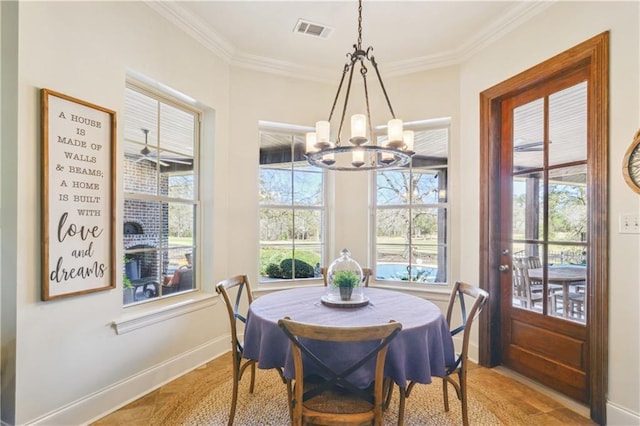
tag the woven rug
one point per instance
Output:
(205, 404)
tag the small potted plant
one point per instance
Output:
(345, 281)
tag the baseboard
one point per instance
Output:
(620, 416)
(105, 401)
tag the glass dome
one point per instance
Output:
(344, 279)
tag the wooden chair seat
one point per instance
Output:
(333, 399)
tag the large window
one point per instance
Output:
(411, 241)
(292, 208)
(161, 206)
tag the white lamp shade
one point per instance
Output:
(311, 142)
(358, 126)
(322, 131)
(394, 130)
(358, 155)
(408, 139)
(387, 157)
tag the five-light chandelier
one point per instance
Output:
(359, 153)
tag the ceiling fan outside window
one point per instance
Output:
(519, 146)
(148, 154)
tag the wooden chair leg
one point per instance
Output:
(253, 377)
(234, 395)
(403, 398)
(445, 394)
(462, 379)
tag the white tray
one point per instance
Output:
(344, 303)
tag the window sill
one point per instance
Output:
(155, 313)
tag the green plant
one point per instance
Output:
(126, 282)
(273, 271)
(345, 279)
(303, 269)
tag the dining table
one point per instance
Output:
(564, 276)
(422, 350)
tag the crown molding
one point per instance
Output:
(503, 25)
(196, 28)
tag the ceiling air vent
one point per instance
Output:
(312, 29)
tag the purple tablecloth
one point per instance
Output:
(421, 350)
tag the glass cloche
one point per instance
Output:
(344, 279)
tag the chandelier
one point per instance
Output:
(359, 153)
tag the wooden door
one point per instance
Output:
(544, 212)
(544, 204)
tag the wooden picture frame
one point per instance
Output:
(78, 197)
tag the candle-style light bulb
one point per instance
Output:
(394, 132)
(311, 142)
(329, 158)
(357, 159)
(408, 137)
(358, 129)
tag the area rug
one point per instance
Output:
(204, 404)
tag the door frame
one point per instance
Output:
(595, 53)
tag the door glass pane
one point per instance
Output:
(528, 135)
(528, 206)
(568, 204)
(568, 125)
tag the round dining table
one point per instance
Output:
(422, 349)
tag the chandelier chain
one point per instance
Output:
(335, 100)
(359, 24)
(363, 72)
(344, 108)
(384, 90)
(365, 154)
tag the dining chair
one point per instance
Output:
(233, 289)
(333, 398)
(576, 303)
(459, 367)
(534, 262)
(527, 293)
(366, 274)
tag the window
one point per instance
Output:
(411, 241)
(292, 207)
(161, 205)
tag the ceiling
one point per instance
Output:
(407, 36)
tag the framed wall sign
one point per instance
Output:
(78, 170)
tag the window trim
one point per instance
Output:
(324, 209)
(176, 100)
(438, 287)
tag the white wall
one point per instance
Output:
(69, 364)
(66, 350)
(559, 28)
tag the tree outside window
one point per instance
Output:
(292, 211)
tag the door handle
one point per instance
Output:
(503, 268)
